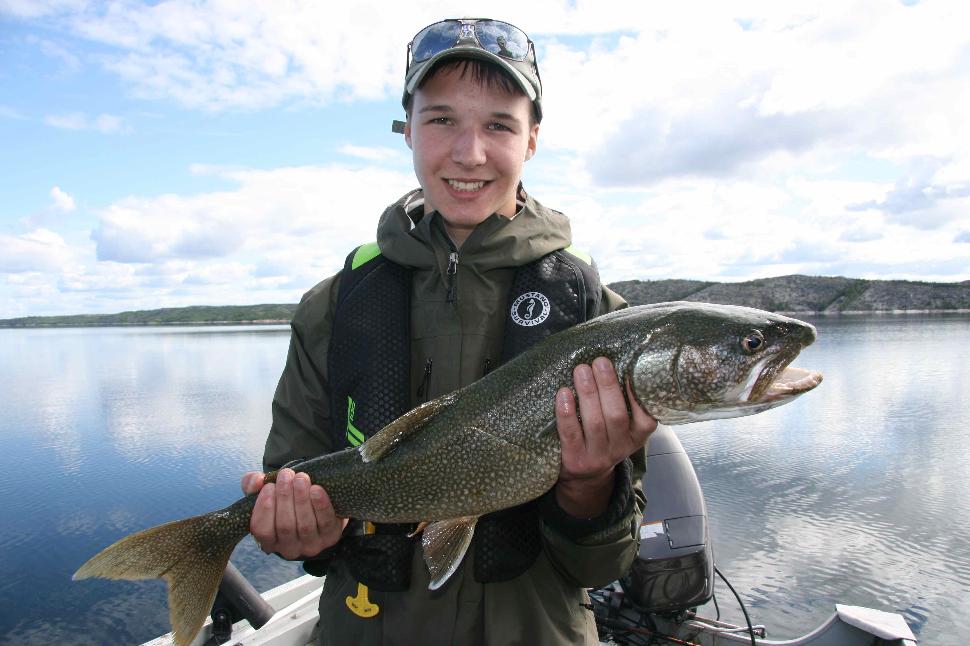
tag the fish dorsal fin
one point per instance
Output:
(445, 543)
(388, 438)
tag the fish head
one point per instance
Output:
(704, 361)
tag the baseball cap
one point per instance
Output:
(477, 38)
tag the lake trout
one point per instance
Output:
(494, 444)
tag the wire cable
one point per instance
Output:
(740, 603)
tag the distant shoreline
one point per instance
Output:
(795, 295)
(40, 326)
(6, 326)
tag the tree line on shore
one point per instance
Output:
(790, 294)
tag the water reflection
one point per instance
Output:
(107, 431)
(854, 494)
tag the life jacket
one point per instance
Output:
(369, 368)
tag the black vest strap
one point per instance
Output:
(369, 369)
(370, 349)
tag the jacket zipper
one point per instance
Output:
(422, 393)
(452, 276)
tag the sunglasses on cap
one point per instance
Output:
(499, 38)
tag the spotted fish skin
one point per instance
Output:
(493, 444)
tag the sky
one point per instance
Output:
(162, 154)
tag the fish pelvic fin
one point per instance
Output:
(388, 438)
(190, 555)
(445, 543)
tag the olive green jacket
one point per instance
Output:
(545, 605)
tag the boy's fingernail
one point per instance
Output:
(284, 477)
(603, 366)
(564, 400)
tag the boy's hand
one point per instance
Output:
(607, 435)
(292, 517)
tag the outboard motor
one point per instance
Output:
(674, 569)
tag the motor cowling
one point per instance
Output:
(674, 568)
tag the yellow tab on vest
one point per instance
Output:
(361, 605)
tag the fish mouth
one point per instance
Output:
(776, 381)
(790, 383)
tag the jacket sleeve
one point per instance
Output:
(301, 405)
(593, 552)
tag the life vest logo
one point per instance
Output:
(532, 308)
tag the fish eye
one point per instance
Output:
(753, 341)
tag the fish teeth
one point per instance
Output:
(795, 380)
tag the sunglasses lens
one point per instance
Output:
(433, 39)
(502, 39)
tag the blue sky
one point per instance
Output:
(178, 153)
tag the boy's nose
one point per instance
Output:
(468, 149)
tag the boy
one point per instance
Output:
(467, 271)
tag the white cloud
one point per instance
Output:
(309, 217)
(717, 230)
(269, 239)
(68, 59)
(6, 112)
(40, 250)
(918, 200)
(41, 8)
(73, 121)
(103, 123)
(217, 55)
(695, 93)
(372, 153)
(62, 201)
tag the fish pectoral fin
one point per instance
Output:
(445, 543)
(419, 528)
(388, 438)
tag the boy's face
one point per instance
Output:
(469, 142)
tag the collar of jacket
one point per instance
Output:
(408, 237)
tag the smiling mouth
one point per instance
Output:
(469, 187)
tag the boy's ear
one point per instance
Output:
(530, 151)
(407, 131)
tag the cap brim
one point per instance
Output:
(422, 68)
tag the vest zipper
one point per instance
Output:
(422, 393)
(452, 276)
(487, 368)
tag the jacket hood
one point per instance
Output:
(409, 237)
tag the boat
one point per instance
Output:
(655, 603)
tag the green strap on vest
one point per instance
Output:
(579, 253)
(364, 254)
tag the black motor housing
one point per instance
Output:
(674, 569)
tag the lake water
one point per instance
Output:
(858, 493)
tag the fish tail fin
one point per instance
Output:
(190, 555)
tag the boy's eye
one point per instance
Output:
(441, 120)
(499, 126)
